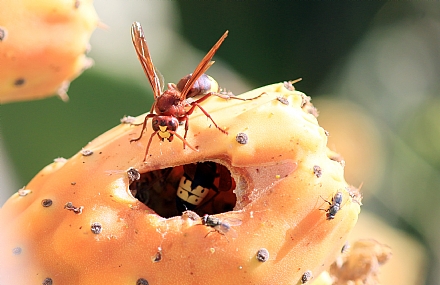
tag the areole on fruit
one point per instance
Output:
(43, 47)
(130, 227)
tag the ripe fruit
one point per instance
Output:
(43, 46)
(78, 222)
(361, 265)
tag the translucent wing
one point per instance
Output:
(225, 227)
(202, 67)
(232, 221)
(140, 45)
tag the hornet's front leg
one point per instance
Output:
(144, 127)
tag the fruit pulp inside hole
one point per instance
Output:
(203, 187)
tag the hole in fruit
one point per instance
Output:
(203, 187)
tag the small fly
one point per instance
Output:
(335, 206)
(222, 226)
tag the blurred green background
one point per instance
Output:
(371, 67)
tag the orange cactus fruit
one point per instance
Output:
(270, 206)
(42, 46)
(361, 264)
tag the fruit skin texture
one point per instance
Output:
(43, 46)
(278, 202)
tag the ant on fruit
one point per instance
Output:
(197, 181)
(172, 107)
(335, 206)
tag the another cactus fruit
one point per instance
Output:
(277, 208)
(361, 264)
(358, 264)
(43, 46)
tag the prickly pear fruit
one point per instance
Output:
(361, 264)
(278, 206)
(42, 46)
